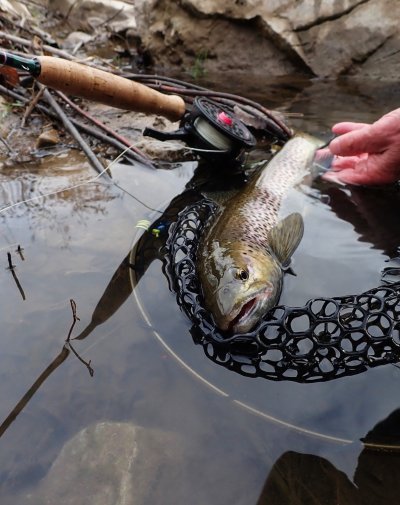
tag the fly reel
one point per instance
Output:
(212, 130)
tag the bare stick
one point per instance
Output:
(75, 318)
(12, 267)
(49, 49)
(20, 252)
(87, 129)
(58, 360)
(28, 43)
(32, 105)
(101, 125)
(9, 148)
(86, 363)
(74, 132)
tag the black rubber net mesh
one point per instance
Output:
(327, 338)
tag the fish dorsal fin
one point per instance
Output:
(285, 237)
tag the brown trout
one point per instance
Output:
(244, 252)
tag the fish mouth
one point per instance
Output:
(243, 314)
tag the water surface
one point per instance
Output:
(233, 431)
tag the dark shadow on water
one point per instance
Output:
(308, 479)
(373, 212)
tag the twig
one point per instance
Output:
(34, 30)
(11, 267)
(58, 360)
(48, 49)
(20, 252)
(32, 105)
(109, 19)
(74, 132)
(85, 128)
(75, 318)
(86, 363)
(9, 148)
(70, 10)
(28, 43)
(101, 125)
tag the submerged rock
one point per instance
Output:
(109, 463)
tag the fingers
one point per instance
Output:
(346, 127)
(358, 141)
(342, 162)
(364, 170)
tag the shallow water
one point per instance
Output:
(233, 431)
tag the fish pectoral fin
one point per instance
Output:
(285, 237)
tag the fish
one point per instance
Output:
(246, 249)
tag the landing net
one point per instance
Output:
(325, 339)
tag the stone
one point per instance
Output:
(15, 8)
(334, 47)
(75, 39)
(326, 38)
(109, 463)
(48, 138)
(118, 15)
(274, 38)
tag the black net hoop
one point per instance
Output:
(327, 338)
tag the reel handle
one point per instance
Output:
(93, 84)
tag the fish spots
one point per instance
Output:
(239, 237)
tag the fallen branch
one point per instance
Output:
(74, 132)
(8, 147)
(48, 49)
(58, 360)
(31, 106)
(83, 127)
(101, 125)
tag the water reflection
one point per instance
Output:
(308, 479)
(373, 213)
(336, 355)
(31, 192)
(136, 382)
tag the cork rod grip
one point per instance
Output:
(97, 85)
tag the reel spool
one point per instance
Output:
(213, 129)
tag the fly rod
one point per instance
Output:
(208, 127)
(97, 85)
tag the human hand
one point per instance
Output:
(366, 154)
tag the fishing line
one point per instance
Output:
(77, 185)
(212, 135)
(134, 197)
(217, 390)
(183, 147)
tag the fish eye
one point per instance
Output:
(242, 274)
